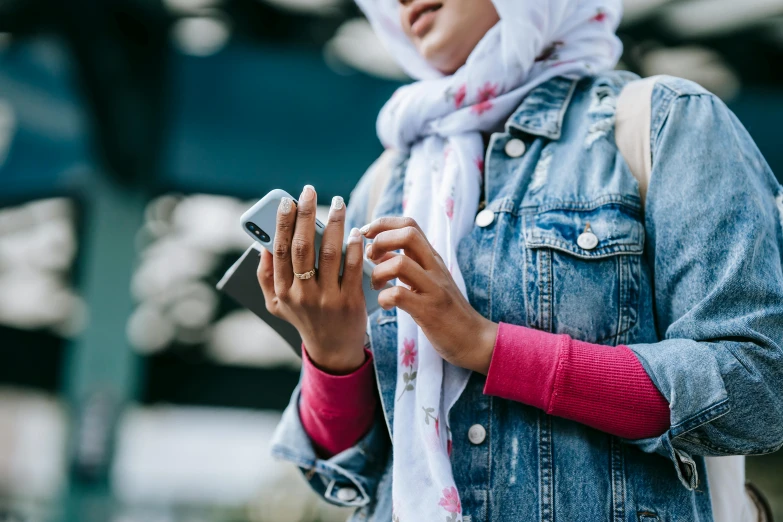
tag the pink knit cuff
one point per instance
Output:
(607, 388)
(337, 410)
(601, 386)
(524, 365)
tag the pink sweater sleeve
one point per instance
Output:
(601, 386)
(337, 410)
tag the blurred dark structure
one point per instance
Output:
(110, 114)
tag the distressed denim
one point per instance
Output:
(692, 283)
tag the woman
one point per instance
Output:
(553, 349)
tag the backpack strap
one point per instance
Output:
(381, 172)
(632, 129)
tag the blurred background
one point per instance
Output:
(133, 133)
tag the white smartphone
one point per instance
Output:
(260, 223)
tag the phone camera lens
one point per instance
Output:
(260, 234)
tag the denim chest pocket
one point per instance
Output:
(583, 270)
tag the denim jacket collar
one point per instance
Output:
(542, 111)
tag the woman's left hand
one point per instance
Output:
(459, 333)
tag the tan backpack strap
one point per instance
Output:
(632, 129)
(382, 170)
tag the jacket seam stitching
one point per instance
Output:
(629, 202)
(701, 418)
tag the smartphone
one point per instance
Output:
(260, 223)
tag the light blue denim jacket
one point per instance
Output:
(692, 284)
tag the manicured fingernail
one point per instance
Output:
(307, 193)
(337, 203)
(354, 236)
(364, 229)
(368, 251)
(285, 205)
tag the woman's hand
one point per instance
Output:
(327, 310)
(458, 332)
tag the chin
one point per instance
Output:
(444, 56)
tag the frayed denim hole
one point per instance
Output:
(603, 107)
(542, 170)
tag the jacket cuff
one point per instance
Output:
(348, 479)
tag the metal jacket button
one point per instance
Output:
(515, 148)
(485, 218)
(587, 240)
(477, 434)
(347, 494)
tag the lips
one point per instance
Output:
(421, 9)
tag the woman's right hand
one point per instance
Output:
(327, 310)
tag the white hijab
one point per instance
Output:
(438, 120)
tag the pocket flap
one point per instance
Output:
(615, 226)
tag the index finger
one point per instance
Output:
(331, 252)
(383, 224)
(395, 233)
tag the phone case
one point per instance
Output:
(241, 284)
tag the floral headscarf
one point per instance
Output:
(438, 120)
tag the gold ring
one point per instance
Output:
(306, 275)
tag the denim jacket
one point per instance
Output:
(691, 283)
